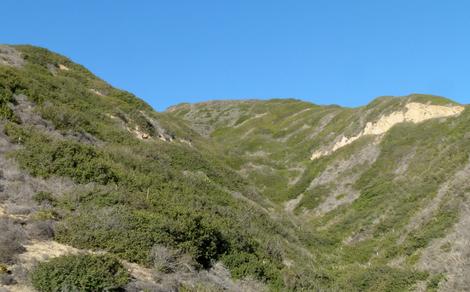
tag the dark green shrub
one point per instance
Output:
(45, 197)
(134, 234)
(190, 234)
(433, 282)
(80, 273)
(64, 118)
(9, 83)
(16, 133)
(244, 264)
(83, 163)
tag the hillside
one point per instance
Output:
(379, 191)
(277, 195)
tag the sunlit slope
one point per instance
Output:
(378, 190)
(273, 141)
(100, 170)
(248, 195)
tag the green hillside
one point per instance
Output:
(225, 195)
(369, 210)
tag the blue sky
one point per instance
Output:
(343, 52)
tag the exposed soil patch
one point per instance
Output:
(414, 112)
(63, 67)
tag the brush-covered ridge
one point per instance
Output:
(225, 194)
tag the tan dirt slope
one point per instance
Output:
(414, 112)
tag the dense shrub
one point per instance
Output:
(8, 84)
(242, 264)
(5, 111)
(190, 234)
(81, 162)
(66, 119)
(133, 234)
(80, 273)
(45, 198)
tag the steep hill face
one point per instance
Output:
(248, 195)
(94, 168)
(370, 185)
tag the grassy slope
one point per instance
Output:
(279, 135)
(146, 192)
(365, 244)
(187, 196)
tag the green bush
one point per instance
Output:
(9, 83)
(83, 163)
(44, 197)
(135, 233)
(433, 282)
(242, 264)
(199, 239)
(80, 273)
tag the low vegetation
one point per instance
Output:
(80, 273)
(206, 184)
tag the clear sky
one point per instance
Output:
(344, 52)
